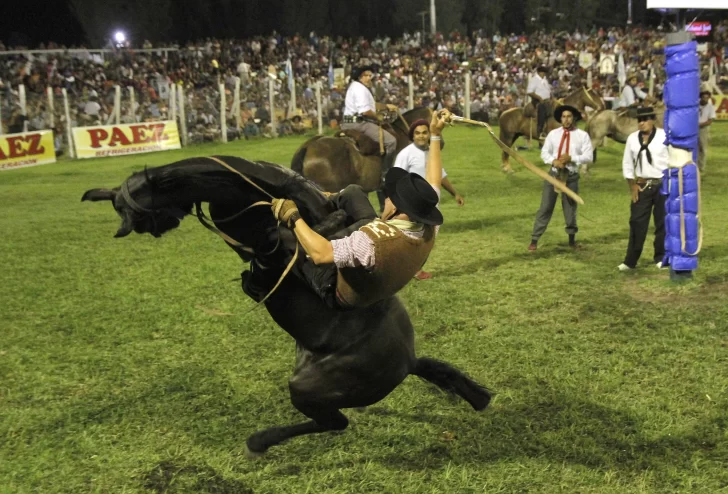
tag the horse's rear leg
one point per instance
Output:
(324, 421)
(452, 380)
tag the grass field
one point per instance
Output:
(136, 365)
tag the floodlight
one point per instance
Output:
(120, 37)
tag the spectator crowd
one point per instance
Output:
(500, 66)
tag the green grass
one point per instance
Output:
(136, 365)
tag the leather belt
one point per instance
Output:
(648, 181)
(352, 119)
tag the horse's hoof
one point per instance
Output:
(507, 170)
(252, 455)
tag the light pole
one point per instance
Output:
(629, 13)
(433, 18)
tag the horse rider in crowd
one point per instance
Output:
(360, 113)
(707, 115)
(645, 158)
(539, 90)
(632, 95)
(381, 257)
(565, 149)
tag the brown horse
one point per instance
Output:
(514, 124)
(335, 162)
(617, 124)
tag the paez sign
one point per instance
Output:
(26, 149)
(118, 140)
(721, 107)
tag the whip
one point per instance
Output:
(559, 186)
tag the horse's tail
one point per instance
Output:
(299, 157)
(453, 381)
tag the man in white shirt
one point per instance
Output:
(631, 93)
(707, 115)
(539, 90)
(360, 113)
(413, 159)
(566, 149)
(645, 158)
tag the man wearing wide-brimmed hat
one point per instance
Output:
(632, 95)
(360, 112)
(566, 149)
(645, 158)
(380, 258)
(539, 90)
(707, 115)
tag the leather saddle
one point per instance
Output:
(364, 144)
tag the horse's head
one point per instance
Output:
(140, 208)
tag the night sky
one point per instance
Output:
(38, 21)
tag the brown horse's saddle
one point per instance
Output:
(363, 143)
(529, 111)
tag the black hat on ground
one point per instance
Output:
(413, 195)
(561, 109)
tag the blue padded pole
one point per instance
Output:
(681, 181)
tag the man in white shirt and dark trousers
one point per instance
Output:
(707, 115)
(413, 159)
(360, 113)
(539, 90)
(565, 149)
(645, 158)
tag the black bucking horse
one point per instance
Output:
(344, 359)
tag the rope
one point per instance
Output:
(683, 240)
(237, 244)
(558, 185)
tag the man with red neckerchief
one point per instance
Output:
(566, 149)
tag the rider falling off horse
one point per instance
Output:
(381, 257)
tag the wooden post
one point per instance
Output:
(411, 95)
(69, 132)
(51, 108)
(318, 108)
(182, 118)
(223, 117)
(117, 104)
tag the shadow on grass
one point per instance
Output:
(484, 222)
(563, 430)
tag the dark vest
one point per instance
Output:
(397, 258)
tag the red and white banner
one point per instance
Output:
(26, 149)
(119, 140)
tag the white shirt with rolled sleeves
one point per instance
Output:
(414, 160)
(707, 112)
(358, 249)
(539, 85)
(358, 100)
(659, 153)
(630, 95)
(580, 148)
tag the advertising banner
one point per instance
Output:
(119, 140)
(721, 107)
(26, 149)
